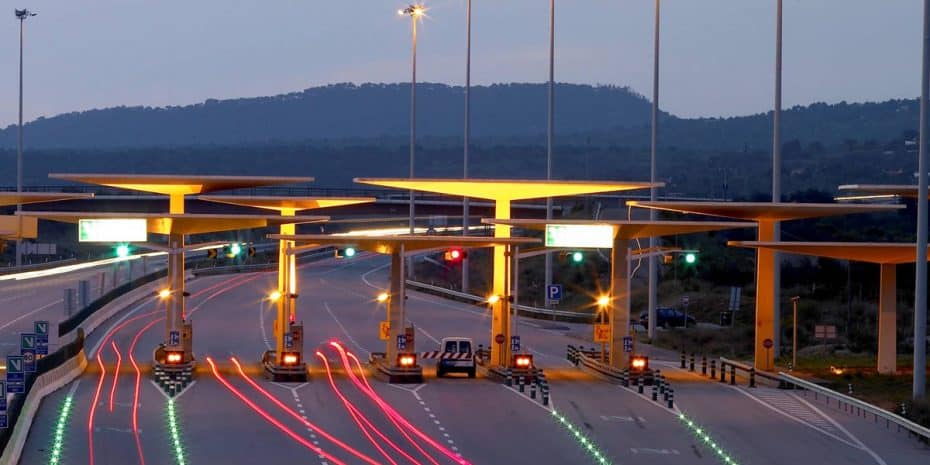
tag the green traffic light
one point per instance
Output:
(577, 257)
(690, 258)
(122, 251)
(350, 252)
(235, 249)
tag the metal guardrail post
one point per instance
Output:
(723, 372)
(752, 377)
(732, 375)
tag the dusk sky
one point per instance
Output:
(718, 55)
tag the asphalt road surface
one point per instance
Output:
(230, 416)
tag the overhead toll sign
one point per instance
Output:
(112, 230)
(596, 236)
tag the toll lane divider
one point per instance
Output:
(858, 407)
(578, 356)
(54, 371)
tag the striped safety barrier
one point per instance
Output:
(446, 355)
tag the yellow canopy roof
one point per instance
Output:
(23, 198)
(632, 229)
(177, 184)
(874, 252)
(506, 189)
(763, 211)
(166, 223)
(387, 244)
(286, 203)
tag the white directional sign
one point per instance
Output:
(580, 236)
(112, 230)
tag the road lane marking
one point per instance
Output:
(96, 347)
(178, 395)
(344, 330)
(261, 322)
(835, 423)
(33, 312)
(432, 416)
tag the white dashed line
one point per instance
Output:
(426, 409)
(344, 330)
(303, 415)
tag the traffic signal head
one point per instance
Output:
(639, 363)
(577, 257)
(346, 252)
(690, 258)
(235, 249)
(122, 251)
(523, 361)
(455, 255)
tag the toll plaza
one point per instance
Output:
(767, 215)
(503, 193)
(175, 355)
(887, 256)
(399, 363)
(15, 227)
(616, 235)
(286, 361)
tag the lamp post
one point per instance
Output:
(549, 129)
(920, 294)
(776, 172)
(794, 329)
(653, 242)
(415, 11)
(465, 205)
(21, 15)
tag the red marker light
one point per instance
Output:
(523, 361)
(290, 359)
(173, 357)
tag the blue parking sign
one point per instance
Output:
(554, 293)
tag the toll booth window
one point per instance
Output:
(451, 346)
(464, 347)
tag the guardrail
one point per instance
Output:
(750, 371)
(523, 310)
(862, 408)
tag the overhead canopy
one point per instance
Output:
(286, 203)
(388, 244)
(23, 198)
(166, 223)
(901, 190)
(763, 211)
(506, 189)
(873, 252)
(169, 184)
(631, 229)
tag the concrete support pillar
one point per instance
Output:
(619, 301)
(887, 320)
(500, 318)
(764, 359)
(395, 304)
(175, 316)
(287, 287)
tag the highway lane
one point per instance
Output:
(480, 419)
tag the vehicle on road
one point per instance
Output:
(457, 356)
(667, 317)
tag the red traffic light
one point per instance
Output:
(639, 363)
(406, 360)
(523, 361)
(174, 357)
(455, 255)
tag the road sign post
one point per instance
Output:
(768, 343)
(15, 375)
(41, 331)
(499, 339)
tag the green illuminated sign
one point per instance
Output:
(580, 235)
(112, 230)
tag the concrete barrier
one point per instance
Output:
(44, 385)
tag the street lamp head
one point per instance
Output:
(23, 14)
(414, 11)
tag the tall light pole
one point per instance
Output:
(415, 12)
(467, 135)
(920, 294)
(549, 129)
(794, 330)
(653, 268)
(21, 15)
(776, 174)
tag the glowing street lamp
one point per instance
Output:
(21, 15)
(383, 297)
(274, 296)
(164, 293)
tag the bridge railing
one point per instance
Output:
(749, 370)
(522, 309)
(858, 407)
